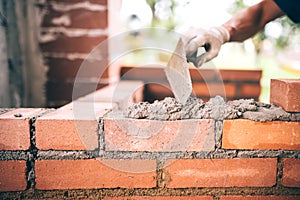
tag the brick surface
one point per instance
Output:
(250, 90)
(15, 128)
(160, 198)
(72, 127)
(91, 173)
(123, 93)
(248, 172)
(77, 18)
(64, 69)
(82, 44)
(259, 197)
(213, 89)
(241, 75)
(286, 93)
(123, 134)
(247, 134)
(12, 175)
(291, 172)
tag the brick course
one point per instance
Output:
(291, 172)
(270, 197)
(15, 128)
(72, 127)
(247, 134)
(92, 173)
(160, 198)
(154, 136)
(251, 172)
(12, 175)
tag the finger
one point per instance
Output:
(193, 59)
(203, 58)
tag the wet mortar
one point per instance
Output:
(216, 108)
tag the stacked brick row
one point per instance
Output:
(69, 31)
(82, 150)
(231, 84)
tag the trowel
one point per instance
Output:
(178, 74)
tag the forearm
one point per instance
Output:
(249, 21)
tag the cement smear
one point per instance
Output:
(216, 108)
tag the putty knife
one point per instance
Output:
(178, 74)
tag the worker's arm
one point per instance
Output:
(251, 20)
(242, 26)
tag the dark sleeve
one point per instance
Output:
(291, 8)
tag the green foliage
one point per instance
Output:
(282, 42)
(167, 23)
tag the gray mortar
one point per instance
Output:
(66, 155)
(216, 108)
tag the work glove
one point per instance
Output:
(211, 39)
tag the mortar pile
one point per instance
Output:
(216, 108)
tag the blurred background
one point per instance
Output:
(43, 43)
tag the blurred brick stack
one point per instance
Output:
(70, 30)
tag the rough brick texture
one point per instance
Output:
(259, 197)
(161, 198)
(78, 44)
(251, 172)
(73, 174)
(286, 93)
(72, 127)
(151, 135)
(291, 172)
(77, 18)
(247, 134)
(15, 128)
(12, 175)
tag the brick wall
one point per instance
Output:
(82, 151)
(231, 84)
(69, 31)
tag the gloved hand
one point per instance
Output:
(211, 40)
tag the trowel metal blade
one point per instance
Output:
(178, 74)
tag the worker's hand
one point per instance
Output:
(211, 40)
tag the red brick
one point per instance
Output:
(240, 75)
(203, 75)
(291, 172)
(286, 93)
(123, 134)
(213, 89)
(92, 173)
(123, 93)
(259, 197)
(160, 198)
(14, 130)
(72, 127)
(78, 18)
(248, 172)
(250, 90)
(247, 134)
(65, 69)
(82, 44)
(12, 175)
